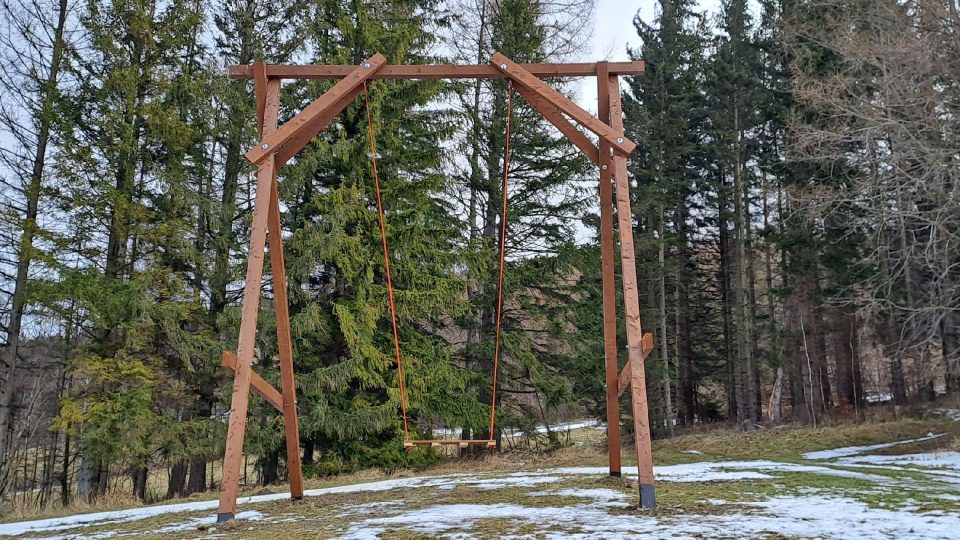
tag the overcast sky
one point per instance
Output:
(613, 32)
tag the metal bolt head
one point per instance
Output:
(503, 66)
(603, 167)
(619, 140)
(366, 65)
(264, 146)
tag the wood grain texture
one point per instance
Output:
(608, 269)
(628, 267)
(434, 72)
(564, 104)
(270, 394)
(304, 122)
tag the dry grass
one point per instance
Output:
(587, 448)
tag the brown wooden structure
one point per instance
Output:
(280, 143)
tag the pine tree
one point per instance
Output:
(347, 373)
(131, 158)
(544, 203)
(32, 92)
(664, 111)
(734, 84)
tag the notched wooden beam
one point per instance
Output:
(524, 78)
(646, 347)
(434, 72)
(304, 123)
(258, 383)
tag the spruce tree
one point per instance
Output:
(129, 184)
(665, 115)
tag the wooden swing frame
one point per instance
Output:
(279, 143)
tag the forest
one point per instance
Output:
(796, 199)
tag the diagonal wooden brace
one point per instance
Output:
(299, 141)
(304, 123)
(564, 104)
(625, 375)
(258, 383)
(552, 114)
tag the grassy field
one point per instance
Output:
(708, 483)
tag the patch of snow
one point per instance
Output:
(600, 496)
(855, 450)
(193, 523)
(805, 516)
(694, 452)
(710, 471)
(943, 460)
(953, 414)
(882, 397)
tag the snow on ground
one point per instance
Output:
(854, 450)
(809, 513)
(805, 516)
(953, 414)
(942, 460)
(568, 426)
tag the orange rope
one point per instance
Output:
(503, 246)
(386, 263)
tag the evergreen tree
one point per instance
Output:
(664, 114)
(350, 400)
(129, 167)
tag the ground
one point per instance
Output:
(898, 479)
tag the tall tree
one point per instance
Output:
(664, 111)
(33, 42)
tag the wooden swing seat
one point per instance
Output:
(462, 443)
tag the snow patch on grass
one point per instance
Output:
(856, 450)
(943, 460)
(804, 516)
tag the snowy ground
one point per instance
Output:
(841, 493)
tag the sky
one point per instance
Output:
(613, 31)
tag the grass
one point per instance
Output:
(321, 517)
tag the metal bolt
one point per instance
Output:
(367, 65)
(503, 66)
(264, 146)
(619, 140)
(603, 167)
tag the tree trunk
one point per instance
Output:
(176, 486)
(139, 478)
(88, 479)
(8, 357)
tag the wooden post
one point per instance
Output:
(628, 268)
(609, 278)
(239, 400)
(285, 343)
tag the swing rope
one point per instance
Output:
(386, 262)
(503, 249)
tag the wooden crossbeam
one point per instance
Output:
(564, 104)
(434, 72)
(272, 396)
(318, 124)
(304, 123)
(548, 111)
(627, 373)
(462, 443)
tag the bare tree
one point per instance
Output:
(886, 111)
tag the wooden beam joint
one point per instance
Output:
(646, 347)
(258, 383)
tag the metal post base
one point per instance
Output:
(648, 497)
(615, 474)
(224, 516)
